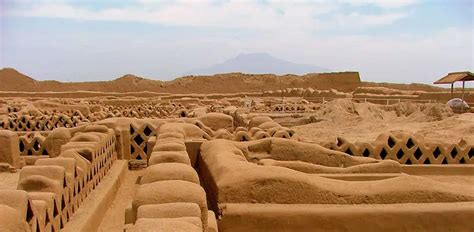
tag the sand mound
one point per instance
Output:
(346, 109)
(428, 112)
(12, 79)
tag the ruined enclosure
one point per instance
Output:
(283, 160)
(236, 116)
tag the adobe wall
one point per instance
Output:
(382, 93)
(252, 197)
(292, 217)
(408, 149)
(56, 185)
(170, 196)
(9, 150)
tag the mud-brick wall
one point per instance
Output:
(445, 96)
(342, 81)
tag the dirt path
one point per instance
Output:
(114, 218)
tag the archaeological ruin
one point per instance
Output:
(307, 157)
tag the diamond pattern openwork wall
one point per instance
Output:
(139, 136)
(42, 123)
(86, 165)
(32, 145)
(408, 149)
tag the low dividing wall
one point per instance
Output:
(56, 186)
(250, 197)
(42, 123)
(407, 149)
(170, 196)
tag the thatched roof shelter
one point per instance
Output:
(453, 77)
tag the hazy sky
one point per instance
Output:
(386, 40)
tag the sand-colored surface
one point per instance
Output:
(114, 218)
(275, 152)
(235, 82)
(8, 180)
(364, 122)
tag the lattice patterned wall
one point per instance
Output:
(32, 145)
(96, 158)
(139, 135)
(43, 123)
(408, 149)
(290, 108)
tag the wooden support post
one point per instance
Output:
(452, 90)
(462, 98)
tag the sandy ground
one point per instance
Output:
(114, 218)
(449, 130)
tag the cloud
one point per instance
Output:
(271, 15)
(291, 30)
(392, 58)
(361, 20)
(383, 3)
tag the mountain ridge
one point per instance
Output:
(235, 83)
(257, 63)
(15, 81)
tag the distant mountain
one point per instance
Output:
(258, 63)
